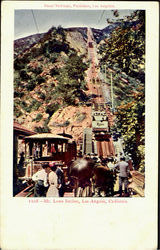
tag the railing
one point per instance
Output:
(29, 168)
(137, 183)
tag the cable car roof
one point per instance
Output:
(66, 135)
(46, 136)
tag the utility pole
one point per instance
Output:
(112, 92)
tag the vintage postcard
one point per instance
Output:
(79, 125)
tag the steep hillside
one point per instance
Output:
(72, 120)
(49, 76)
(25, 43)
(50, 92)
(22, 44)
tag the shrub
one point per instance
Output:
(40, 79)
(42, 129)
(19, 63)
(18, 94)
(55, 46)
(54, 71)
(54, 57)
(35, 104)
(80, 117)
(37, 70)
(28, 108)
(31, 85)
(52, 108)
(17, 83)
(36, 51)
(23, 74)
(42, 96)
(38, 118)
(66, 123)
(46, 121)
(24, 106)
(17, 112)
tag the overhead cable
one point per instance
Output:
(101, 16)
(35, 21)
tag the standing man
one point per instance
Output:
(40, 179)
(110, 163)
(21, 165)
(61, 182)
(123, 174)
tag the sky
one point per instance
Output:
(28, 22)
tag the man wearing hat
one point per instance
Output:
(40, 179)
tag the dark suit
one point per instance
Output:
(61, 181)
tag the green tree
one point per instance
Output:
(71, 79)
(131, 123)
(42, 129)
(38, 117)
(52, 108)
(126, 46)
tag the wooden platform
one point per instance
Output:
(137, 183)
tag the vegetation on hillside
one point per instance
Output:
(131, 123)
(47, 76)
(71, 79)
(124, 53)
(50, 75)
(125, 49)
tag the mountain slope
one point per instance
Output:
(44, 72)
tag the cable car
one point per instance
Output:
(47, 147)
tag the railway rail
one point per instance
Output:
(105, 148)
(27, 192)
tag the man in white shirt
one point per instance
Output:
(110, 163)
(40, 179)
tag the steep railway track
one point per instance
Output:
(104, 148)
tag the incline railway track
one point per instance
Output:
(95, 85)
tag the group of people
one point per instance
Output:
(122, 166)
(49, 181)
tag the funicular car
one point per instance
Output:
(47, 147)
(100, 123)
